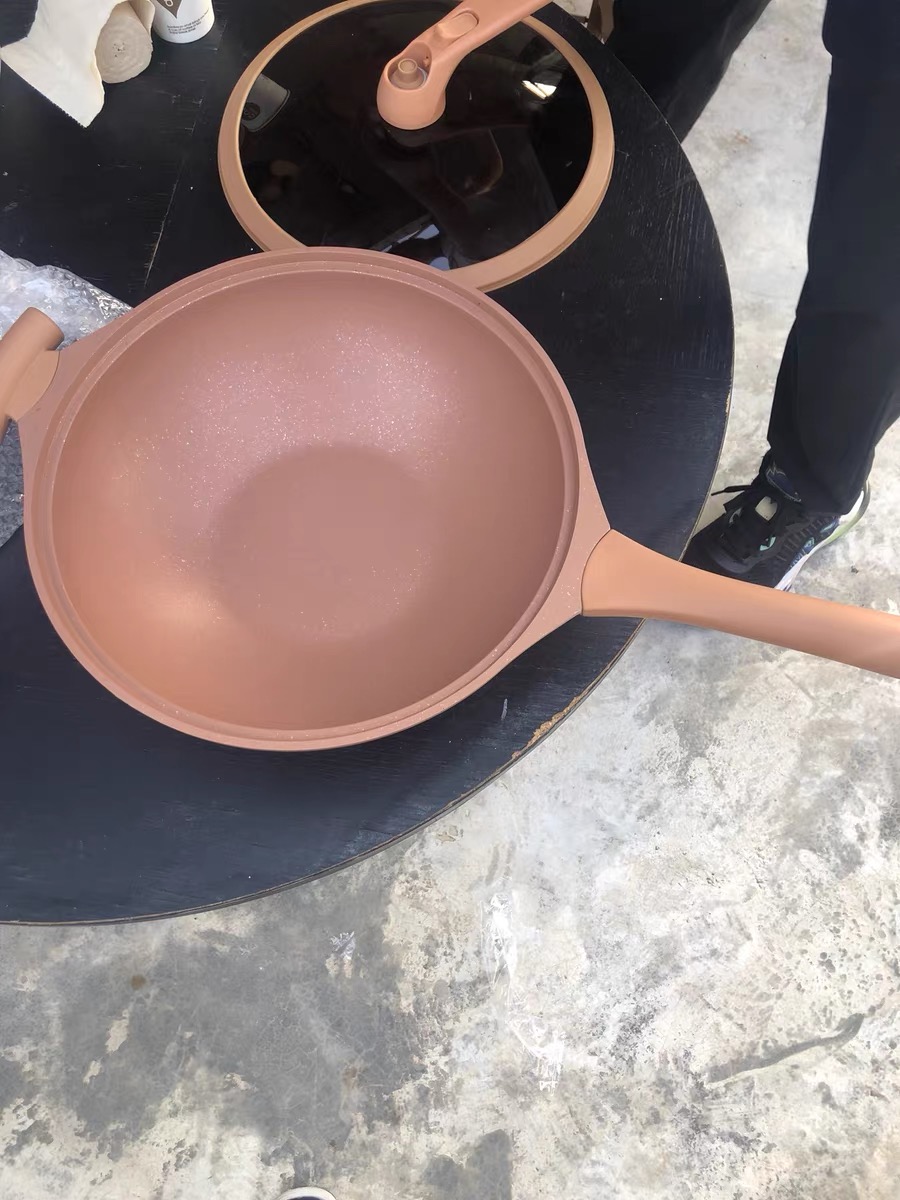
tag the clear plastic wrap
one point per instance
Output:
(78, 308)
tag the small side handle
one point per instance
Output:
(625, 579)
(28, 362)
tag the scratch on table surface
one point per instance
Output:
(199, 105)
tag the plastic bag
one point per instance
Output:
(78, 308)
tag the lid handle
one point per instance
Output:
(411, 91)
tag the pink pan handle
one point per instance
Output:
(27, 364)
(411, 91)
(624, 579)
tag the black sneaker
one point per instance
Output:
(765, 535)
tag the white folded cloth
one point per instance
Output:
(58, 56)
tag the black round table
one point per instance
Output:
(108, 816)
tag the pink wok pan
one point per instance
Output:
(313, 497)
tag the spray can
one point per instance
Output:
(182, 20)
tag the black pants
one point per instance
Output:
(838, 388)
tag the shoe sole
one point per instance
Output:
(844, 526)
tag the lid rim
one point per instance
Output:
(527, 256)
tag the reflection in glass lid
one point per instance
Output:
(502, 162)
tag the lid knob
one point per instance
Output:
(412, 96)
(408, 74)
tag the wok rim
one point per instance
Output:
(557, 599)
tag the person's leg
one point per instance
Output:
(678, 50)
(838, 388)
(839, 384)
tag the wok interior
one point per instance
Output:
(308, 501)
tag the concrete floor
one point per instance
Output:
(658, 960)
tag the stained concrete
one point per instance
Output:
(657, 960)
